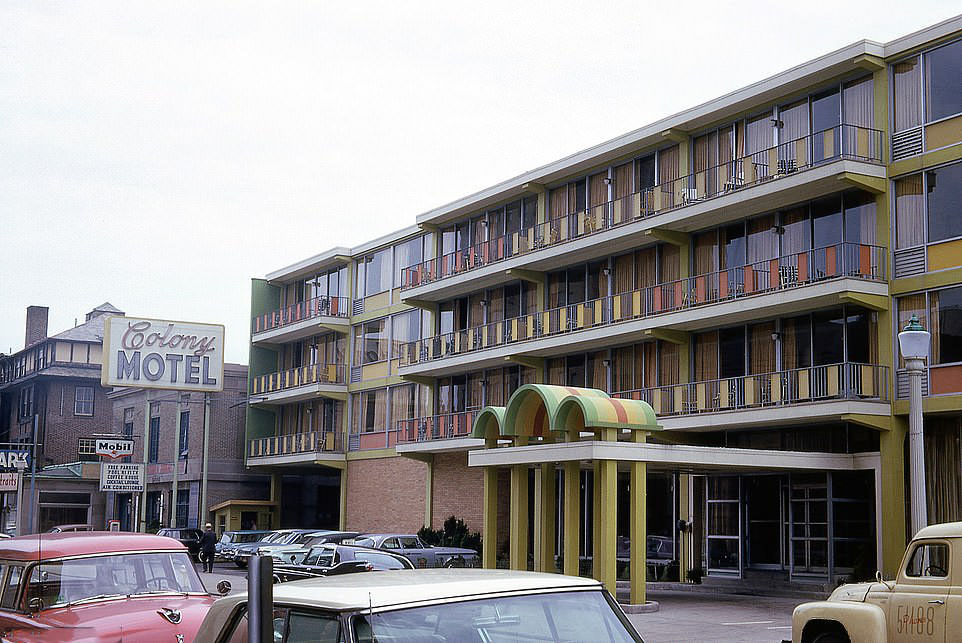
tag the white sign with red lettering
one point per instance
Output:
(9, 481)
(114, 447)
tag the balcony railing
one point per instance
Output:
(323, 306)
(300, 376)
(294, 443)
(845, 381)
(436, 427)
(772, 275)
(786, 159)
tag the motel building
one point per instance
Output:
(675, 350)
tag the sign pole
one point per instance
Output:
(142, 527)
(174, 472)
(21, 466)
(33, 468)
(203, 475)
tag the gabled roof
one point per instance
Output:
(91, 330)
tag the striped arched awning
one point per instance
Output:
(489, 422)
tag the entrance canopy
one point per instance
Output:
(535, 409)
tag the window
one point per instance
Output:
(183, 506)
(83, 400)
(927, 206)
(377, 272)
(946, 325)
(128, 428)
(9, 599)
(406, 254)
(370, 411)
(25, 402)
(405, 328)
(943, 91)
(370, 342)
(294, 627)
(87, 450)
(153, 454)
(184, 434)
(928, 560)
(907, 97)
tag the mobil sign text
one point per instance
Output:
(158, 353)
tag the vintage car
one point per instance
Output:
(227, 545)
(417, 552)
(279, 538)
(333, 558)
(439, 605)
(923, 603)
(99, 586)
(190, 538)
(295, 553)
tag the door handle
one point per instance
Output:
(937, 602)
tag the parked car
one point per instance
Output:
(99, 586)
(411, 547)
(190, 538)
(332, 558)
(432, 605)
(923, 603)
(296, 553)
(229, 541)
(59, 529)
(280, 537)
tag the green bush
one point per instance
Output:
(454, 534)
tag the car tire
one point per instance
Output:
(455, 563)
(241, 563)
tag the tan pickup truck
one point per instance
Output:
(924, 603)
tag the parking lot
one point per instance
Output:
(682, 616)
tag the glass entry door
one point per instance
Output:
(765, 509)
(809, 524)
(724, 534)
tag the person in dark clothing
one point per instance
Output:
(207, 541)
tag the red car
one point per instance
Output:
(99, 586)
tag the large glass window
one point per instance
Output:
(943, 88)
(405, 328)
(378, 272)
(370, 342)
(943, 187)
(908, 86)
(370, 411)
(946, 329)
(407, 254)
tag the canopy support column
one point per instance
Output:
(638, 489)
(545, 512)
(518, 541)
(489, 535)
(571, 550)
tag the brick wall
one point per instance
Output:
(60, 428)
(458, 490)
(385, 494)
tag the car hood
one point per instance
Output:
(856, 591)
(454, 550)
(134, 620)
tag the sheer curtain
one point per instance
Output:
(706, 252)
(668, 366)
(915, 305)
(858, 102)
(943, 470)
(706, 356)
(934, 326)
(645, 272)
(909, 212)
(908, 94)
(622, 375)
(762, 348)
(495, 387)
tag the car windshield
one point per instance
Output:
(247, 538)
(275, 537)
(380, 561)
(364, 542)
(556, 616)
(62, 582)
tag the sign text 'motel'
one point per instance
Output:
(155, 353)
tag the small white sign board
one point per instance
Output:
(114, 447)
(9, 481)
(119, 476)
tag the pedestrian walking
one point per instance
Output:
(207, 542)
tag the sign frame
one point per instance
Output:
(162, 383)
(138, 467)
(102, 445)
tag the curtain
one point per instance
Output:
(915, 305)
(668, 171)
(556, 371)
(556, 286)
(645, 272)
(706, 356)
(934, 326)
(622, 374)
(474, 391)
(700, 161)
(762, 240)
(797, 232)
(908, 94)
(622, 186)
(496, 305)
(495, 384)
(597, 375)
(858, 102)
(402, 402)
(475, 310)
(706, 252)
(647, 355)
(598, 190)
(762, 348)
(668, 363)
(670, 263)
(558, 202)
(380, 408)
(943, 470)
(624, 280)
(909, 212)
(794, 124)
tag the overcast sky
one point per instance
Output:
(159, 155)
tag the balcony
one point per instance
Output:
(301, 320)
(294, 448)
(771, 178)
(437, 433)
(301, 383)
(767, 288)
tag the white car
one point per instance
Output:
(436, 605)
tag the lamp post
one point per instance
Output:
(914, 346)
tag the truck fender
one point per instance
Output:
(862, 621)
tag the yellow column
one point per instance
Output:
(489, 534)
(572, 517)
(518, 542)
(596, 518)
(638, 529)
(547, 501)
(891, 447)
(684, 538)
(606, 518)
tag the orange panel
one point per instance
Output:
(749, 279)
(945, 379)
(945, 255)
(773, 281)
(830, 263)
(803, 266)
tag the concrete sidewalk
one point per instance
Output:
(689, 616)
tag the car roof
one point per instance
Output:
(78, 543)
(384, 536)
(250, 531)
(944, 530)
(405, 586)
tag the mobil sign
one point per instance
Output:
(159, 353)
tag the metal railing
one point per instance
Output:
(323, 306)
(436, 427)
(294, 443)
(300, 376)
(785, 159)
(772, 275)
(844, 381)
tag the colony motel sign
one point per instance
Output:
(163, 354)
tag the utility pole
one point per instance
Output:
(203, 475)
(173, 498)
(33, 469)
(142, 527)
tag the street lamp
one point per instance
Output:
(914, 346)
